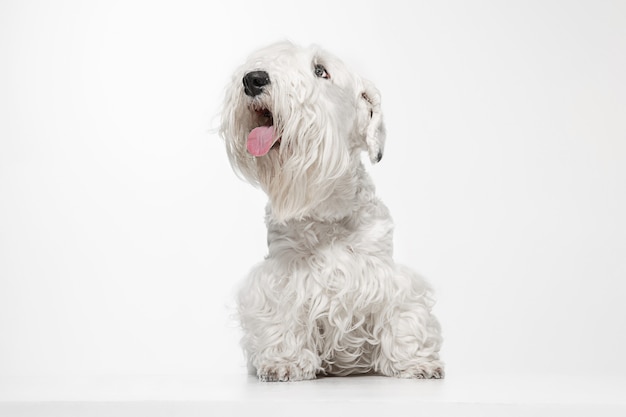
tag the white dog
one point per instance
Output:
(328, 299)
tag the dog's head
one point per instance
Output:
(295, 121)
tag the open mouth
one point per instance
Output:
(263, 137)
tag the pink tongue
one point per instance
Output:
(260, 140)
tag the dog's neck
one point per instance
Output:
(334, 219)
(343, 196)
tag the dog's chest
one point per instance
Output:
(331, 261)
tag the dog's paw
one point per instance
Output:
(436, 373)
(425, 370)
(283, 373)
(428, 370)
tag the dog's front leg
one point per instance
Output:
(277, 342)
(411, 337)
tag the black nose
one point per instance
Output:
(254, 81)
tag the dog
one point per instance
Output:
(328, 299)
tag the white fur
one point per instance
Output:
(328, 298)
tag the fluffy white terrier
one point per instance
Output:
(328, 298)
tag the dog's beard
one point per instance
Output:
(309, 167)
(306, 170)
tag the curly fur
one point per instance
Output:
(328, 298)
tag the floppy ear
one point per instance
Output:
(371, 121)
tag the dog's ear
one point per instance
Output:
(371, 121)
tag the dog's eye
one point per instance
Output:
(321, 72)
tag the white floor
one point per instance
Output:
(369, 395)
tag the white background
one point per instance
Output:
(124, 232)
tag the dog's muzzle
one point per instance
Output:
(254, 81)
